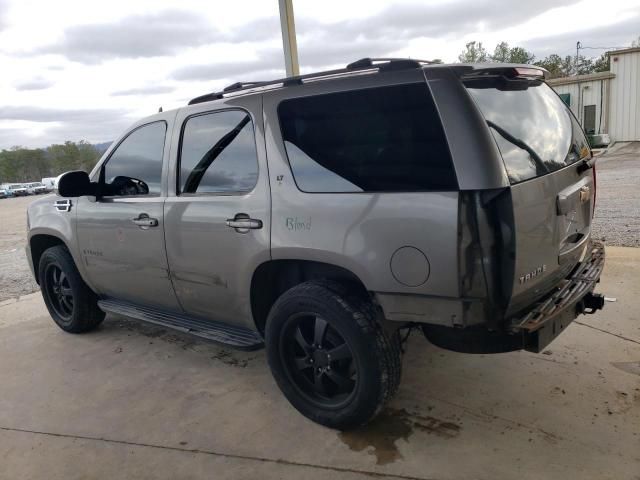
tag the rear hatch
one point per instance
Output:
(548, 161)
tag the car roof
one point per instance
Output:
(359, 67)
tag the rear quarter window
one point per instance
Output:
(534, 129)
(386, 139)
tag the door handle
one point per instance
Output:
(242, 223)
(144, 221)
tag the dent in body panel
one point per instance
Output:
(123, 260)
(422, 309)
(211, 264)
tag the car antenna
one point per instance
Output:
(160, 110)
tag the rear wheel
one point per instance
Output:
(330, 357)
(70, 301)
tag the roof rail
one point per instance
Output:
(381, 64)
(389, 63)
(241, 85)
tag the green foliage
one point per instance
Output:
(520, 55)
(504, 54)
(554, 63)
(558, 66)
(602, 64)
(474, 53)
(501, 53)
(24, 164)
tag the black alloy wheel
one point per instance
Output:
(59, 291)
(330, 355)
(70, 301)
(318, 360)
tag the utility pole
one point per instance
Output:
(287, 24)
(578, 47)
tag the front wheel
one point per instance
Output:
(330, 357)
(70, 301)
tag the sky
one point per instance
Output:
(85, 70)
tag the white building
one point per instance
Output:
(607, 102)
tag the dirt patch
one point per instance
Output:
(379, 437)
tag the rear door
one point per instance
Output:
(218, 214)
(552, 190)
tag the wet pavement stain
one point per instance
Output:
(379, 437)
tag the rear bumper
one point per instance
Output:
(572, 297)
(535, 327)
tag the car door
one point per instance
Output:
(121, 236)
(218, 220)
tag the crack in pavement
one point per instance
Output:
(279, 461)
(607, 332)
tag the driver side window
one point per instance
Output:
(138, 157)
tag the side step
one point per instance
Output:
(240, 338)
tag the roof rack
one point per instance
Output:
(381, 64)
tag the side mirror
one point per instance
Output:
(75, 184)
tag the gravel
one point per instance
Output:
(15, 275)
(617, 218)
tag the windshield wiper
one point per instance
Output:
(540, 165)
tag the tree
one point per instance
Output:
(602, 64)
(20, 164)
(501, 53)
(88, 155)
(520, 55)
(584, 65)
(554, 64)
(474, 53)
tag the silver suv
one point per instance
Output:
(327, 215)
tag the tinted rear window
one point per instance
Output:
(386, 139)
(534, 129)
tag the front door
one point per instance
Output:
(218, 222)
(121, 236)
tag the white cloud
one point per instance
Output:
(82, 69)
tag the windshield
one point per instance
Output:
(534, 130)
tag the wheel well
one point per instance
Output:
(273, 278)
(38, 244)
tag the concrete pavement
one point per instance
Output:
(136, 401)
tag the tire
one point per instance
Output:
(315, 320)
(70, 301)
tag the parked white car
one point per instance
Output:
(36, 188)
(16, 189)
(49, 183)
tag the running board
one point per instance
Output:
(240, 338)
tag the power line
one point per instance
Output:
(602, 48)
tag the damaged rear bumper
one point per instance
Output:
(572, 297)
